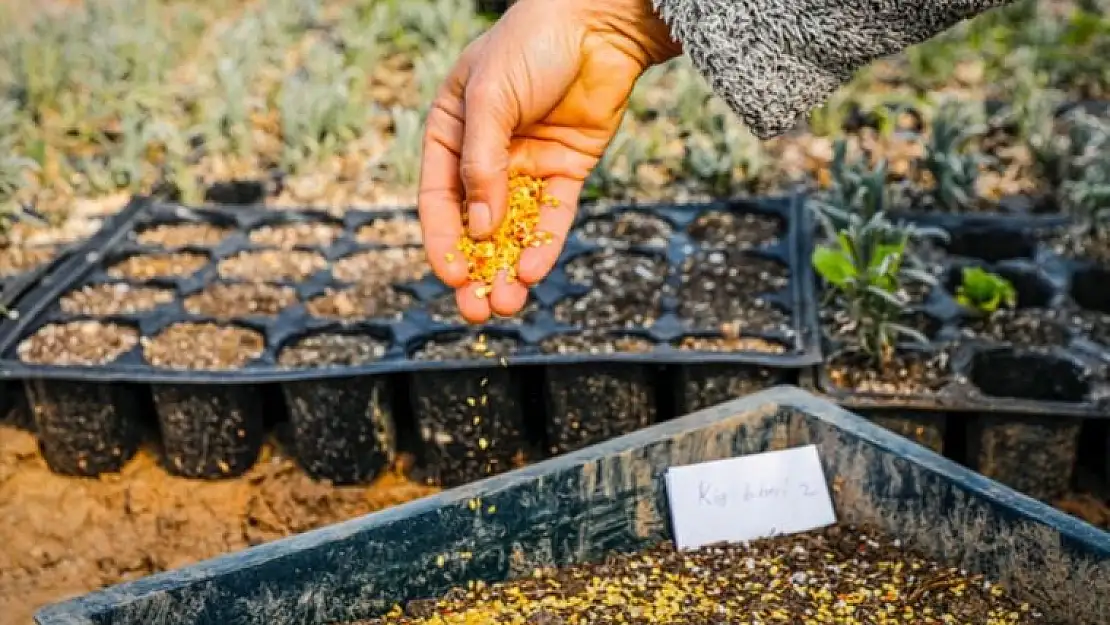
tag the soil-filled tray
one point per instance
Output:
(1012, 387)
(226, 319)
(916, 532)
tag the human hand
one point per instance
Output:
(541, 93)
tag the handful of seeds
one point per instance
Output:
(501, 252)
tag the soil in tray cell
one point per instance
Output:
(114, 299)
(731, 344)
(15, 260)
(150, 266)
(720, 287)
(908, 373)
(343, 429)
(471, 422)
(227, 301)
(389, 266)
(359, 302)
(627, 228)
(174, 236)
(732, 231)
(203, 346)
(78, 343)
(595, 343)
(838, 575)
(391, 232)
(626, 290)
(591, 403)
(1033, 455)
(272, 265)
(1034, 326)
(299, 234)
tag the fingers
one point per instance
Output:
(473, 308)
(536, 262)
(438, 207)
(491, 117)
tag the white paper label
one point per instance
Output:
(749, 497)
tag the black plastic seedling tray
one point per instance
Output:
(1018, 406)
(611, 497)
(466, 415)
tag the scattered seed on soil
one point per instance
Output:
(332, 350)
(467, 348)
(906, 374)
(595, 343)
(518, 231)
(841, 574)
(150, 266)
(359, 302)
(391, 231)
(723, 287)
(382, 267)
(1026, 326)
(114, 299)
(203, 346)
(226, 301)
(734, 231)
(87, 343)
(299, 234)
(731, 344)
(174, 236)
(15, 260)
(629, 228)
(626, 290)
(272, 265)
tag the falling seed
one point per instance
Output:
(471, 402)
(482, 443)
(491, 510)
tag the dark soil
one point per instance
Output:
(87, 343)
(1096, 325)
(359, 302)
(626, 290)
(391, 232)
(151, 266)
(272, 265)
(203, 346)
(299, 234)
(842, 574)
(724, 287)
(628, 228)
(114, 299)
(227, 301)
(15, 260)
(1092, 246)
(175, 236)
(1024, 326)
(389, 266)
(907, 374)
(735, 231)
(467, 348)
(332, 350)
(594, 342)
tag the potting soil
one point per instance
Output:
(839, 575)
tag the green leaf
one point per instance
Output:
(833, 265)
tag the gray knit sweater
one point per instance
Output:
(775, 60)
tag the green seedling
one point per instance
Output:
(865, 266)
(954, 170)
(985, 292)
(401, 162)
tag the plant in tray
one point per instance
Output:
(953, 170)
(983, 291)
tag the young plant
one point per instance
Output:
(954, 171)
(985, 292)
(865, 266)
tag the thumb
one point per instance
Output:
(491, 116)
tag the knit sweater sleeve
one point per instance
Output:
(775, 60)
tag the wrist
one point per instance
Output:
(636, 22)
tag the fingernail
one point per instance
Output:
(480, 219)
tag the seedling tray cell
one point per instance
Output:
(1013, 382)
(211, 308)
(608, 497)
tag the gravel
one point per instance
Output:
(227, 301)
(382, 267)
(272, 265)
(151, 266)
(203, 346)
(78, 343)
(391, 231)
(174, 236)
(299, 234)
(114, 299)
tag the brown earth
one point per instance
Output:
(63, 537)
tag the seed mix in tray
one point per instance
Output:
(842, 574)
